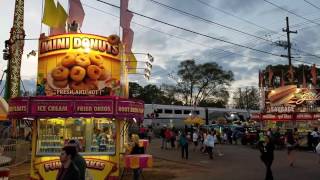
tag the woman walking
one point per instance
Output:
(266, 148)
(291, 143)
(210, 144)
(183, 141)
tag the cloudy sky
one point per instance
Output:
(255, 23)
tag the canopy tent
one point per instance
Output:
(194, 120)
(3, 109)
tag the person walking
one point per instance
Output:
(315, 138)
(163, 137)
(183, 141)
(210, 144)
(68, 169)
(136, 149)
(291, 143)
(195, 138)
(266, 148)
(78, 159)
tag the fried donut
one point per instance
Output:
(91, 84)
(77, 73)
(96, 59)
(114, 39)
(93, 72)
(68, 60)
(61, 84)
(83, 60)
(77, 85)
(60, 73)
(105, 74)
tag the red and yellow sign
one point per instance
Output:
(78, 64)
(97, 168)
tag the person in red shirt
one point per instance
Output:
(167, 135)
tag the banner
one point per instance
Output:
(78, 64)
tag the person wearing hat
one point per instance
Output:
(78, 160)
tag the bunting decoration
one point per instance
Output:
(314, 74)
(76, 12)
(55, 17)
(304, 82)
(270, 76)
(282, 79)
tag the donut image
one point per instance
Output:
(114, 39)
(68, 60)
(105, 74)
(61, 84)
(77, 85)
(83, 60)
(93, 72)
(77, 73)
(96, 59)
(60, 73)
(91, 84)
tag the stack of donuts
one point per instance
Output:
(80, 71)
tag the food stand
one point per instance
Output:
(78, 97)
(289, 100)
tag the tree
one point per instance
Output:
(201, 82)
(134, 90)
(247, 98)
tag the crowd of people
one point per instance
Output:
(202, 140)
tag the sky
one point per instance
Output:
(169, 46)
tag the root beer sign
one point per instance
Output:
(78, 64)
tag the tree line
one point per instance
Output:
(205, 85)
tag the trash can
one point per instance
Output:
(4, 173)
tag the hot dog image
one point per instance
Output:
(282, 95)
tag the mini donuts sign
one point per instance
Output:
(78, 64)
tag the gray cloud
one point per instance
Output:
(240, 5)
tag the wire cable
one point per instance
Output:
(311, 4)
(194, 32)
(291, 12)
(237, 17)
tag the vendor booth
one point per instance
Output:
(78, 97)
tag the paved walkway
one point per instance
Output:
(241, 162)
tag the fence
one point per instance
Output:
(15, 152)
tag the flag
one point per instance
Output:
(76, 12)
(270, 76)
(54, 16)
(56, 31)
(132, 63)
(61, 16)
(125, 15)
(49, 15)
(127, 39)
(314, 74)
(304, 83)
(282, 79)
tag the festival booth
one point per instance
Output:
(78, 97)
(289, 100)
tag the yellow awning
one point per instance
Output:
(194, 120)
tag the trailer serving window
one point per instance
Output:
(95, 135)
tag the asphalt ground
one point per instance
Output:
(239, 162)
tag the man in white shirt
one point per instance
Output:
(195, 140)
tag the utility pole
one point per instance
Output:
(288, 41)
